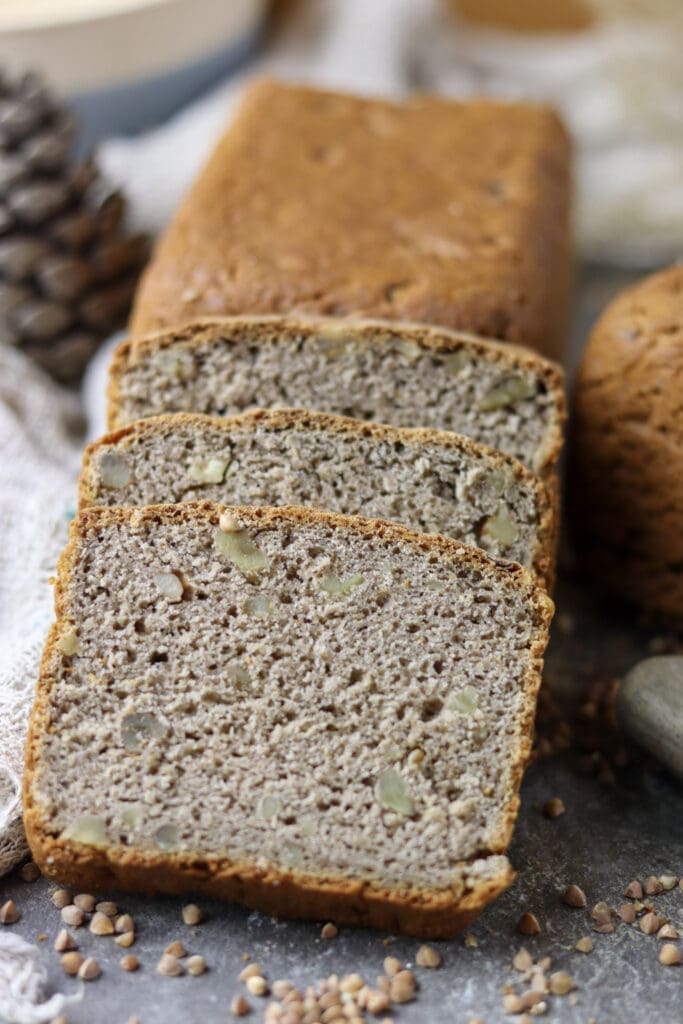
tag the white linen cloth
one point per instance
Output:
(619, 88)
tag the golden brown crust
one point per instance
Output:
(365, 223)
(259, 329)
(305, 419)
(626, 483)
(281, 891)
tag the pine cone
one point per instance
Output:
(67, 268)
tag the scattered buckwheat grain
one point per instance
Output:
(329, 931)
(129, 962)
(64, 942)
(61, 898)
(528, 924)
(574, 896)
(649, 923)
(176, 949)
(89, 969)
(554, 807)
(71, 963)
(9, 913)
(170, 966)
(561, 983)
(73, 916)
(30, 872)
(101, 924)
(124, 923)
(85, 902)
(196, 965)
(670, 955)
(256, 985)
(239, 1007)
(191, 914)
(427, 956)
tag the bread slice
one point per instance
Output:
(433, 481)
(316, 715)
(405, 375)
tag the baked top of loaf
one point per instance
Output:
(428, 210)
(406, 375)
(627, 455)
(432, 481)
(284, 705)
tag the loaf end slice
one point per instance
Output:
(316, 715)
(433, 481)
(405, 375)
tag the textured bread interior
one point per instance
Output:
(352, 701)
(366, 373)
(432, 482)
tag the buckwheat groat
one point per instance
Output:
(401, 374)
(431, 480)
(317, 715)
(627, 457)
(429, 210)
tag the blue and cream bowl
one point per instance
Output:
(126, 65)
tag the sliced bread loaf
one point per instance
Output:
(404, 375)
(317, 715)
(431, 480)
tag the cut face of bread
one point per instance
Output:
(317, 715)
(403, 375)
(433, 481)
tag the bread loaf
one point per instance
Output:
(316, 715)
(627, 453)
(429, 210)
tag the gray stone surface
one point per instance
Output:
(609, 834)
